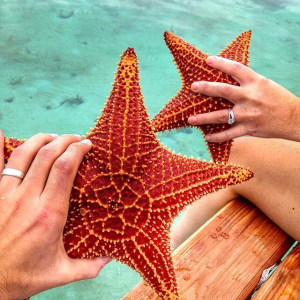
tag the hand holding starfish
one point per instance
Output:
(262, 107)
(33, 213)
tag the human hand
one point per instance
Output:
(262, 107)
(33, 213)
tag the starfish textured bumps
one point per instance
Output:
(186, 103)
(129, 188)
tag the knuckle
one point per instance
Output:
(45, 219)
(18, 203)
(220, 140)
(203, 86)
(221, 117)
(237, 66)
(248, 94)
(216, 138)
(74, 148)
(251, 129)
(257, 113)
(64, 165)
(258, 98)
(253, 116)
(228, 135)
(226, 89)
(262, 80)
(19, 151)
(46, 153)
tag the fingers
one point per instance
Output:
(220, 116)
(215, 117)
(60, 181)
(1, 153)
(216, 89)
(238, 95)
(22, 157)
(242, 74)
(44, 159)
(226, 135)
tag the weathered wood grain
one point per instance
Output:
(225, 258)
(285, 281)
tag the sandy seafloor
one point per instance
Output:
(52, 51)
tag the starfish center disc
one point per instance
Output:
(119, 209)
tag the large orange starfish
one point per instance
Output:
(192, 67)
(129, 188)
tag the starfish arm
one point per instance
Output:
(148, 253)
(219, 151)
(120, 142)
(123, 132)
(192, 67)
(238, 49)
(151, 257)
(184, 180)
(10, 144)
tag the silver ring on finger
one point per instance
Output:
(13, 172)
(231, 117)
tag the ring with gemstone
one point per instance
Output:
(13, 172)
(231, 118)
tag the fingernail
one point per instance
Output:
(192, 120)
(86, 141)
(195, 86)
(210, 60)
(54, 135)
(208, 137)
(78, 136)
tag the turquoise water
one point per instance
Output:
(53, 52)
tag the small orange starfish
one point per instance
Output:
(186, 103)
(129, 188)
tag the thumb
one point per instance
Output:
(88, 268)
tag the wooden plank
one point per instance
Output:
(225, 258)
(285, 281)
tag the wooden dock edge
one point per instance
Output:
(285, 281)
(225, 258)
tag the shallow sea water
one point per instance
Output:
(53, 51)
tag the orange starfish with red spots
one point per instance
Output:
(186, 103)
(129, 188)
